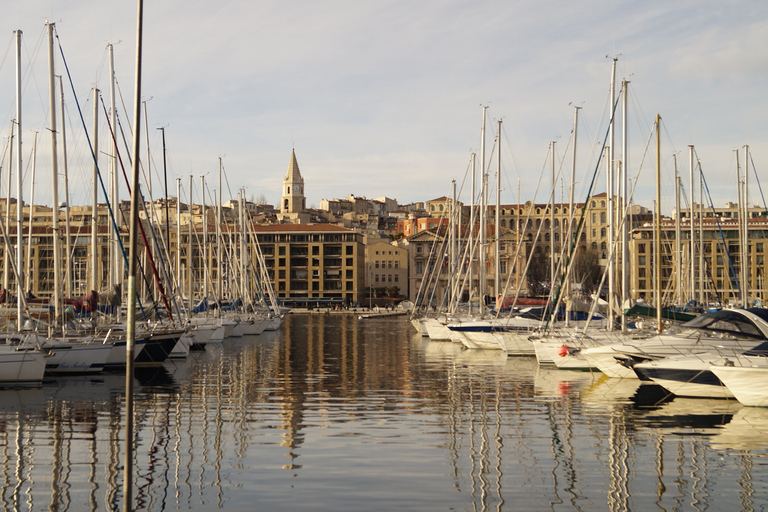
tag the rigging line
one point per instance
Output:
(147, 250)
(95, 162)
(759, 186)
(7, 52)
(30, 76)
(573, 243)
(735, 278)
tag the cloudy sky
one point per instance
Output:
(384, 98)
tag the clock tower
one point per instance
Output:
(293, 200)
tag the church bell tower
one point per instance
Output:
(293, 200)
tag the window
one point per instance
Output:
(419, 267)
(397, 264)
(281, 262)
(281, 250)
(281, 274)
(376, 264)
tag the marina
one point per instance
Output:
(331, 412)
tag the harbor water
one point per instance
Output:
(334, 412)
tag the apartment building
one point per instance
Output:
(387, 268)
(313, 261)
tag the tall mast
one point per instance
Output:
(701, 237)
(205, 237)
(19, 212)
(219, 290)
(68, 255)
(552, 225)
(453, 225)
(132, 271)
(567, 240)
(241, 237)
(471, 233)
(483, 214)
(745, 266)
(55, 181)
(114, 260)
(178, 234)
(657, 239)
(611, 206)
(692, 255)
(190, 267)
(678, 242)
(497, 275)
(624, 201)
(95, 206)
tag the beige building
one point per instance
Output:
(386, 268)
(716, 273)
(311, 263)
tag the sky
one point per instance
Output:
(386, 98)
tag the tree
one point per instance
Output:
(586, 269)
(538, 274)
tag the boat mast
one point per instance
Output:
(483, 215)
(95, 206)
(178, 237)
(115, 263)
(570, 216)
(497, 274)
(552, 229)
(132, 270)
(68, 255)
(19, 201)
(701, 236)
(471, 231)
(54, 185)
(692, 255)
(219, 290)
(190, 268)
(205, 237)
(453, 225)
(678, 242)
(745, 267)
(624, 201)
(657, 239)
(611, 206)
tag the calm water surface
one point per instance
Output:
(336, 413)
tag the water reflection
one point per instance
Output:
(333, 412)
